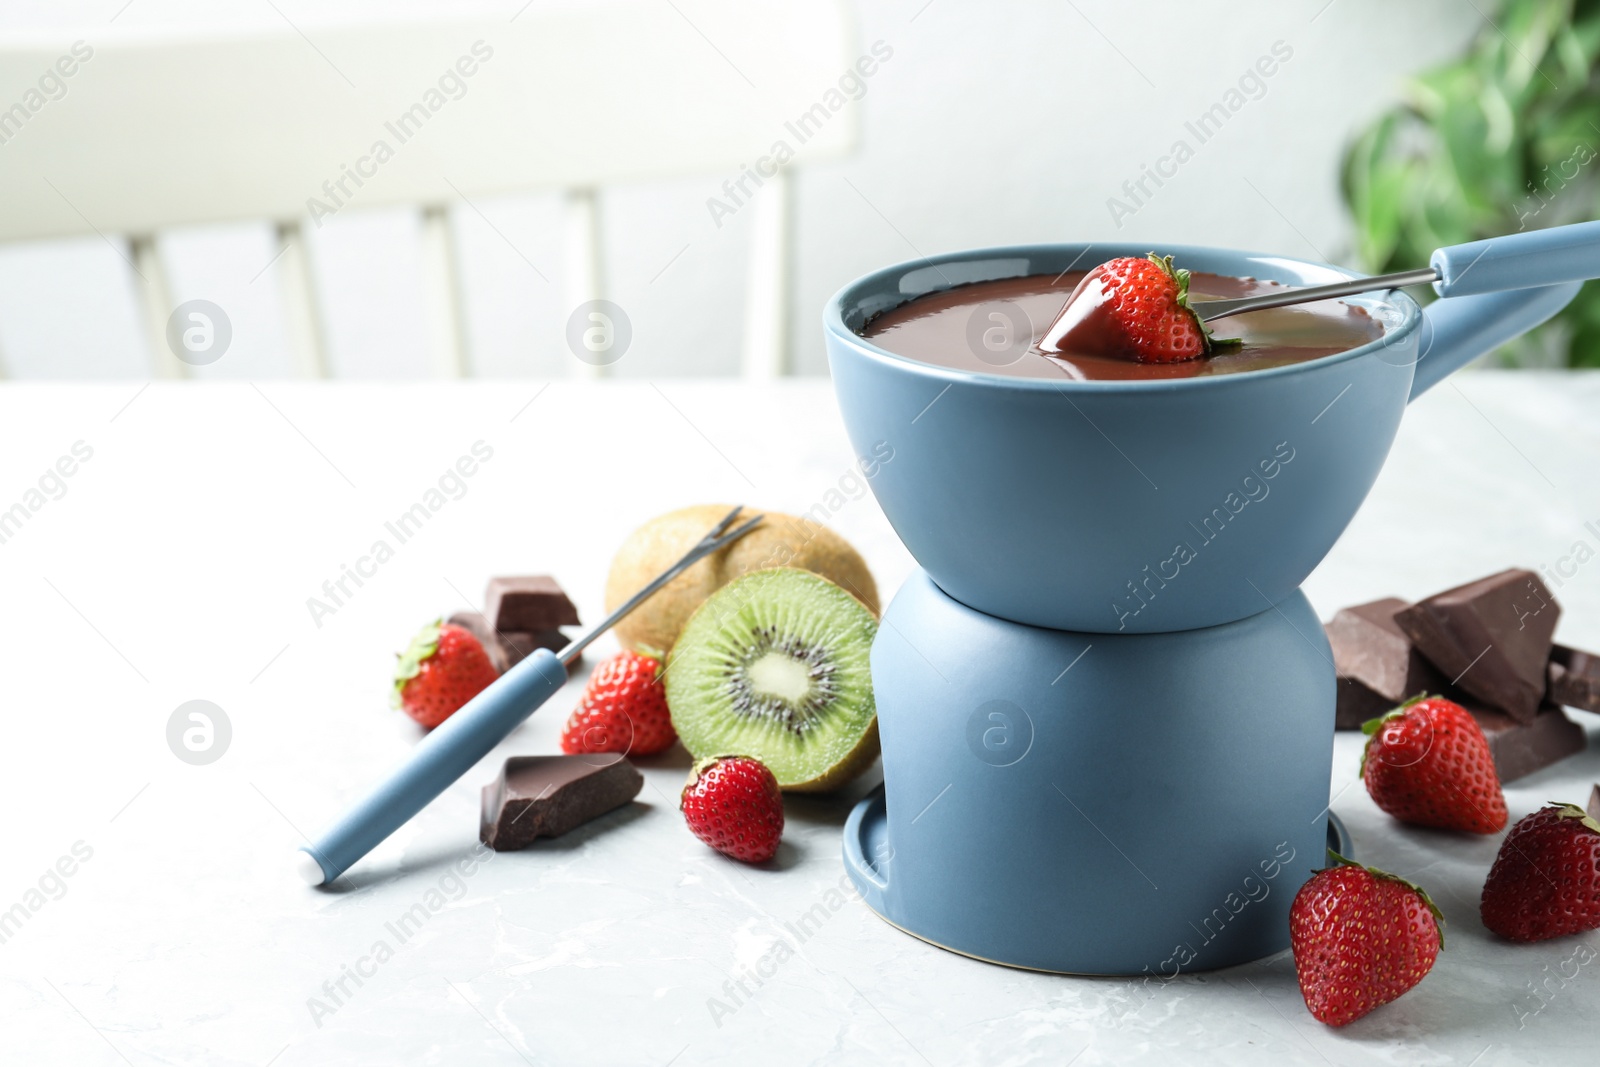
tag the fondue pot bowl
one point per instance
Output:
(1141, 506)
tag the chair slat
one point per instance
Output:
(302, 308)
(441, 290)
(767, 287)
(584, 278)
(154, 295)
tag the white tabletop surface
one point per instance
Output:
(177, 566)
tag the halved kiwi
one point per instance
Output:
(775, 665)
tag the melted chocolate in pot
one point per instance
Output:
(980, 327)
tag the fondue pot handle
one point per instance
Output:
(1519, 260)
(1457, 331)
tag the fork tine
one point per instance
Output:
(717, 530)
(734, 534)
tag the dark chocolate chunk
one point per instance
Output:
(1574, 678)
(1371, 649)
(1519, 749)
(528, 604)
(1593, 808)
(545, 796)
(519, 646)
(1492, 637)
(480, 628)
(506, 650)
(1356, 704)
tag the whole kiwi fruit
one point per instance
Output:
(780, 541)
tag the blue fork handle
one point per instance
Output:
(1519, 260)
(440, 759)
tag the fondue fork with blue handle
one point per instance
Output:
(464, 738)
(1517, 261)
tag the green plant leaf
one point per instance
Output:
(1504, 138)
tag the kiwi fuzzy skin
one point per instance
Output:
(780, 541)
(859, 759)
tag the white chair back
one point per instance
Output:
(125, 132)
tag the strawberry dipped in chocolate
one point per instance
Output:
(1134, 309)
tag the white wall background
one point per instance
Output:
(1000, 121)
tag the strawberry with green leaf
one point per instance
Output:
(1132, 308)
(444, 667)
(1546, 880)
(1428, 763)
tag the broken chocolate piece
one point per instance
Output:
(1519, 749)
(528, 604)
(1492, 637)
(545, 796)
(479, 627)
(1593, 809)
(1574, 678)
(1371, 649)
(506, 650)
(520, 646)
(1355, 704)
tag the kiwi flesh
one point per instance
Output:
(775, 665)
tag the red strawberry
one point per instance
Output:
(732, 803)
(1361, 938)
(1427, 762)
(623, 709)
(1134, 308)
(443, 669)
(1546, 880)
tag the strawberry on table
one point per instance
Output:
(732, 803)
(1546, 880)
(1135, 308)
(444, 667)
(1361, 938)
(1428, 763)
(623, 709)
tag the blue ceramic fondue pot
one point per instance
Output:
(1106, 710)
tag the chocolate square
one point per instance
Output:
(1519, 749)
(1370, 647)
(546, 796)
(528, 604)
(506, 650)
(1573, 678)
(519, 646)
(1356, 703)
(1492, 637)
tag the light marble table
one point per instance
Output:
(176, 564)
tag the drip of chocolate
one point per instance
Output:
(1084, 322)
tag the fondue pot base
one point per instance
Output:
(1086, 803)
(867, 835)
